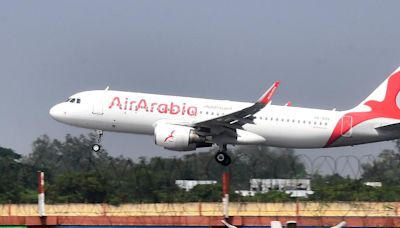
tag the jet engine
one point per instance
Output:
(178, 138)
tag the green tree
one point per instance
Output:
(385, 169)
(78, 187)
(75, 174)
(16, 178)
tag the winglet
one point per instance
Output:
(266, 97)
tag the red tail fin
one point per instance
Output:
(382, 103)
(385, 100)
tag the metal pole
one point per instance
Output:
(225, 197)
(41, 204)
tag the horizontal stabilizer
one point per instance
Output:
(389, 127)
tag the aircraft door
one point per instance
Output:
(347, 126)
(98, 108)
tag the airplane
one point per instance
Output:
(186, 123)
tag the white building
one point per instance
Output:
(190, 184)
(293, 187)
(374, 184)
(245, 192)
(266, 185)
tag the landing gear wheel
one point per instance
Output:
(96, 147)
(223, 158)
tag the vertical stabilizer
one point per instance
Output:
(383, 99)
(384, 102)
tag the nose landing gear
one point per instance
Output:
(96, 147)
(222, 157)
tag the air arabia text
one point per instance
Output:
(142, 104)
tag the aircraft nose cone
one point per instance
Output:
(56, 112)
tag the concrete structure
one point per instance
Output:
(301, 209)
(202, 215)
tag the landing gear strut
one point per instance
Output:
(96, 147)
(222, 157)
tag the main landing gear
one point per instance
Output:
(96, 147)
(222, 157)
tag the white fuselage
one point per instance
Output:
(280, 126)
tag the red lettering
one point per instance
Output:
(115, 102)
(174, 109)
(192, 111)
(163, 108)
(142, 104)
(126, 103)
(131, 105)
(183, 109)
(152, 106)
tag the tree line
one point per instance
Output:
(75, 174)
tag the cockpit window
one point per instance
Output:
(74, 100)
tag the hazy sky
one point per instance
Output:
(328, 54)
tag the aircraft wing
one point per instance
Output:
(237, 119)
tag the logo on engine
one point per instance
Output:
(170, 136)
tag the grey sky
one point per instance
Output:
(328, 54)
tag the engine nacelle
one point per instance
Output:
(178, 138)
